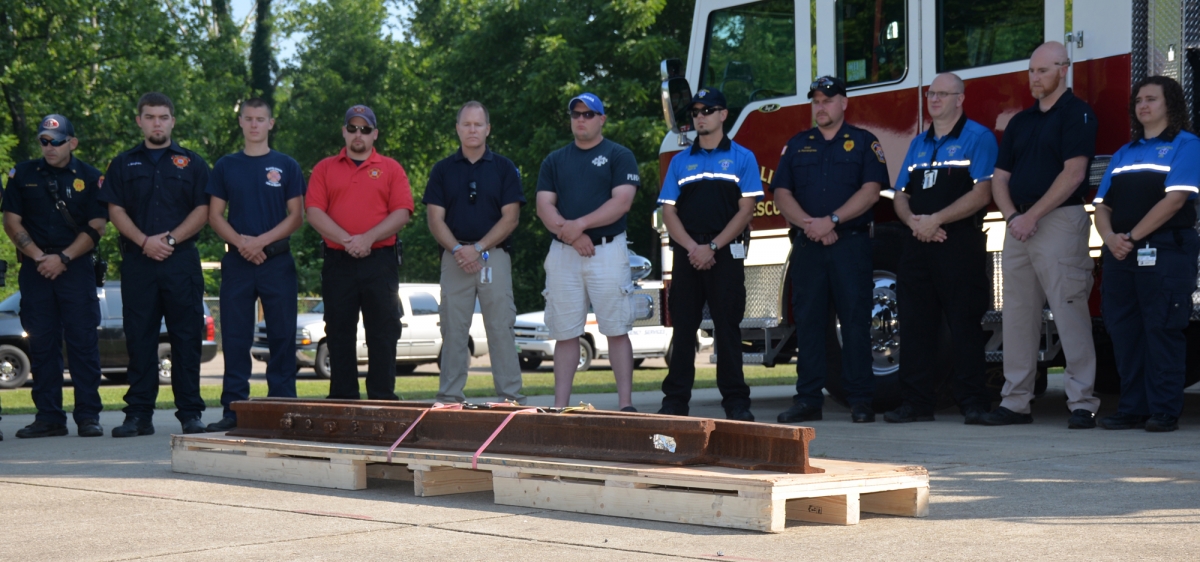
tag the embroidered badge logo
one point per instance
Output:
(78, 184)
(1164, 150)
(273, 176)
(691, 167)
(848, 145)
(702, 93)
(600, 161)
(374, 173)
(50, 123)
(950, 150)
(180, 162)
(878, 152)
(725, 164)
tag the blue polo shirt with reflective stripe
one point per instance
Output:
(1142, 172)
(706, 185)
(938, 171)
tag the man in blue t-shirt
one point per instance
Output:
(584, 191)
(264, 192)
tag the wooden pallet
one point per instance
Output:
(714, 496)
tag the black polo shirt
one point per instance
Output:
(823, 174)
(1036, 144)
(497, 183)
(27, 196)
(156, 196)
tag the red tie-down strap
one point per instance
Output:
(436, 406)
(475, 459)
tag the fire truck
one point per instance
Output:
(762, 54)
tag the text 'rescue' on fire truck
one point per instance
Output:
(763, 54)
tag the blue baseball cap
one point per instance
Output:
(592, 101)
(709, 97)
(360, 111)
(56, 127)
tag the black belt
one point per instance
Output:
(865, 229)
(271, 250)
(1068, 203)
(596, 240)
(127, 246)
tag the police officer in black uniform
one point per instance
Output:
(156, 199)
(54, 219)
(708, 198)
(828, 179)
(1145, 211)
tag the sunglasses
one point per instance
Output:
(583, 114)
(696, 111)
(472, 192)
(48, 142)
(365, 129)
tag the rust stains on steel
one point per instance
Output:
(577, 434)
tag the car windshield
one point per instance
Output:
(11, 304)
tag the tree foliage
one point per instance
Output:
(522, 58)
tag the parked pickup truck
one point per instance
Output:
(114, 359)
(420, 335)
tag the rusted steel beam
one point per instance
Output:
(589, 434)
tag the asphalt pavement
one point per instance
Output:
(1037, 491)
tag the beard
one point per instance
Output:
(158, 139)
(1049, 86)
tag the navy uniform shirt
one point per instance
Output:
(823, 174)
(939, 171)
(706, 185)
(78, 185)
(156, 196)
(257, 189)
(497, 183)
(1037, 143)
(584, 180)
(1142, 172)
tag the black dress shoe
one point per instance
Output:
(1123, 421)
(41, 429)
(862, 413)
(133, 427)
(629, 409)
(974, 416)
(194, 426)
(90, 428)
(1004, 416)
(906, 414)
(222, 426)
(1081, 419)
(673, 410)
(739, 414)
(800, 412)
(1161, 423)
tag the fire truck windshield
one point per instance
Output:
(750, 53)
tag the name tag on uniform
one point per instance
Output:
(929, 179)
(1147, 256)
(738, 250)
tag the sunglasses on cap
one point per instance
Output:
(822, 82)
(696, 111)
(364, 129)
(583, 114)
(48, 142)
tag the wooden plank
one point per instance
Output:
(324, 473)
(385, 471)
(674, 506)
(833, 510)
(911, 502)
(442, 480)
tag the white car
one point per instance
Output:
(420, 335)
(534, 344)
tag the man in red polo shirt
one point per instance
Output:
(358, 201)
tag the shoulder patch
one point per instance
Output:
(12, 172)
(100, 183)
(878, 150)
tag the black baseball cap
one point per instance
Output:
(828, 85)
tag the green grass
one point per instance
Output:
(19, 401)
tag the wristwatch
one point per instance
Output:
(836, 220)
(170, 240)
(478, 248)
(712, 246)
(65, 258)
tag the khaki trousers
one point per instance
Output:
(1051, 267)
(459, 291)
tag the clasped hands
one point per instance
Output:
(927, 228)
(571, 232)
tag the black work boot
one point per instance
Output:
(133, 427)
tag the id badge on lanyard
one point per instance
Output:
(485, 274)
(1146, 257)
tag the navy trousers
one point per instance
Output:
(242, 285)
(840, 275)
(51, 310)
(1146, 309)
(152, 291)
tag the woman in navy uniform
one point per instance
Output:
(1146, 216)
